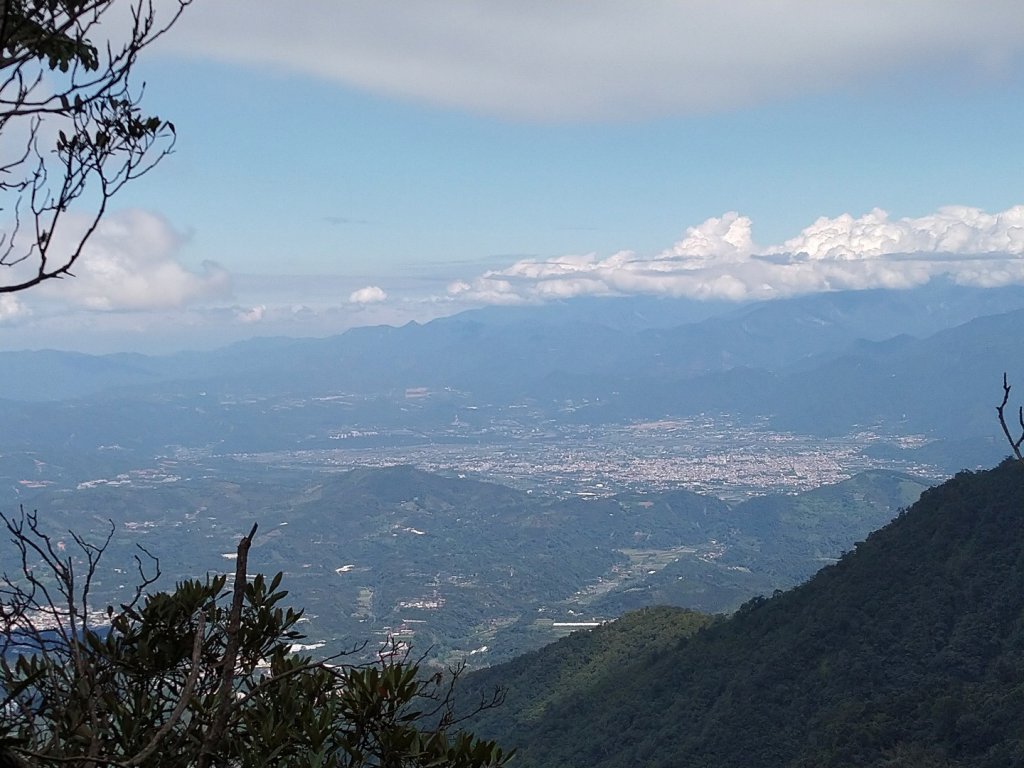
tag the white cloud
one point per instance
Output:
(130, 263)
(543, 60)
(719, 259)
(371, 294)
(953, 229)
(252, 314)
(11, 309)
(729, 237)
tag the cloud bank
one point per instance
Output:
(719, 259)
(556, 61)
(132, 292)
(131, 263)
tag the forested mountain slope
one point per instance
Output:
(908, 652)
(456, 565)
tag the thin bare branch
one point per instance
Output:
(59, 70)
(1015, 444)
(222, 707)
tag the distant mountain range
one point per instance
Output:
(927, 360)
(477, 349)
(908, 652)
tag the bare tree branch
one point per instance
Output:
(75, 123)
(225, 691)
(1015, 444)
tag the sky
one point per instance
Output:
(344, 163)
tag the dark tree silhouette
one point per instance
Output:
(200, 676)
(72, 129)
(1015, 442)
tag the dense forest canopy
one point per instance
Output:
(908, 652)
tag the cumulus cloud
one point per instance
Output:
(131, 263)
(720, 259)
(11, 309)
(371, 294)
(953, 229)
(555, 61)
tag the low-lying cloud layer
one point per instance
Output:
(719, 259)
(132, 292)
(608, 59)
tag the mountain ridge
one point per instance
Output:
(908, 652)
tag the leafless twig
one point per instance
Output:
(222, 708)
(1015, 444)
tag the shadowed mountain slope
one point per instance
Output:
(908, 652)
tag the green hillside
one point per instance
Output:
(459, 567)
(908, 652)
(768, 543)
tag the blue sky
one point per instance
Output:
(361, 163)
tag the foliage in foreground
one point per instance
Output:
(201, 676)
(73, 126)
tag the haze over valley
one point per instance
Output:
(664, 452)
(628, 385)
